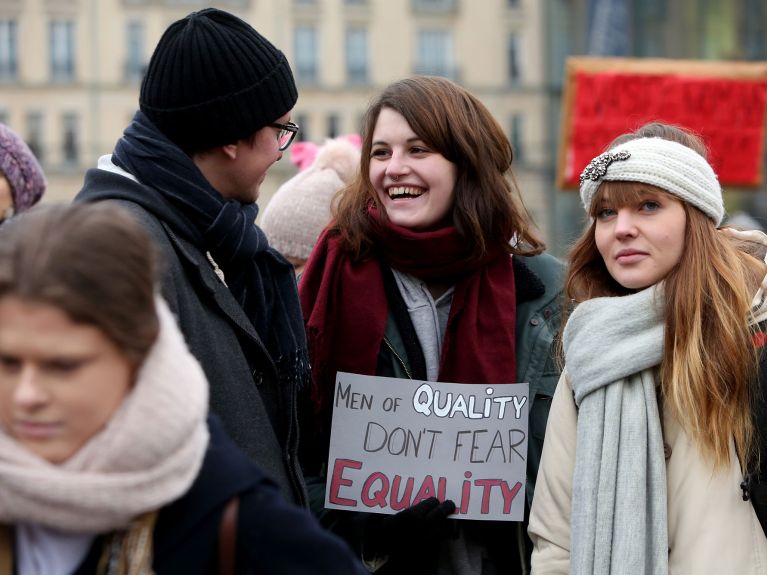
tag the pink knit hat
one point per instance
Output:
(22, 170)
(300, 209)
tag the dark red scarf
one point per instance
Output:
(345, 307)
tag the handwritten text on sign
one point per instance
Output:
(729, 113)
(395, 442)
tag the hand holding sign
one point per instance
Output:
(419, 528)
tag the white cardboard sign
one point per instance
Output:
(395, 442)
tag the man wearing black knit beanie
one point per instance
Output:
(214, 115)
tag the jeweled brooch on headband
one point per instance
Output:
(598, 166)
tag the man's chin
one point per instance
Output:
(252, 197)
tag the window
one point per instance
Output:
(62, 50)
(754, 30)
(70, 152)
(184, 3)
(8, 50)
(357, 55)
(515, 70)
(334, 125)
(435, 53)
(717, 33)
(647, 25)
(34, 122)
(306, 54)
(134, 61)
(434, 5)
(303, 123)
(517, 138)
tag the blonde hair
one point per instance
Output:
(709, 366)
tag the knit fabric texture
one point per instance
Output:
(213, 80)
(619, 521)
(22, 170)
(668, 165)
(147, 456)
(300, 209)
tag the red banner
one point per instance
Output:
(728, 113)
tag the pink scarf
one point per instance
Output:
(147, 456)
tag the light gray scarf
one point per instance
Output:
(619, 521)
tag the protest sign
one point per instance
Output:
(395, 442)
(724, 102)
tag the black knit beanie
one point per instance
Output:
(213, 80)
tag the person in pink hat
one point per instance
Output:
(300, 209)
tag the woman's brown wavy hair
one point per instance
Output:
(488, 208)
(709, 366)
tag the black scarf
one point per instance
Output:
(258, 276)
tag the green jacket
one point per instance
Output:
(538, 323)
(538, 282)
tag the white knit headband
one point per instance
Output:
(668, 165)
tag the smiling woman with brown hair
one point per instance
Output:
(432, 270)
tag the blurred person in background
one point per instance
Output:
(109, 462)
(22, 181)
(300, 208)
(214, 116)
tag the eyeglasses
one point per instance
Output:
(287, 133)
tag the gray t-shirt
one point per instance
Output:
(429, 316)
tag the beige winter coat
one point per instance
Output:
(710, 528)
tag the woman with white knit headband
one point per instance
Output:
(109, 463)
(651, 430)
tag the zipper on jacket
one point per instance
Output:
(402, 363)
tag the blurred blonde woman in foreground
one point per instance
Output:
(108, 462)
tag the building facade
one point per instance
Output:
(70, 70)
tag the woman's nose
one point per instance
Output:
(397, 166)
(625, 225)
(28, 391)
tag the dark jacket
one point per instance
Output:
(538, 282)
(755, 484)
(273, 536)
(256, 412)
